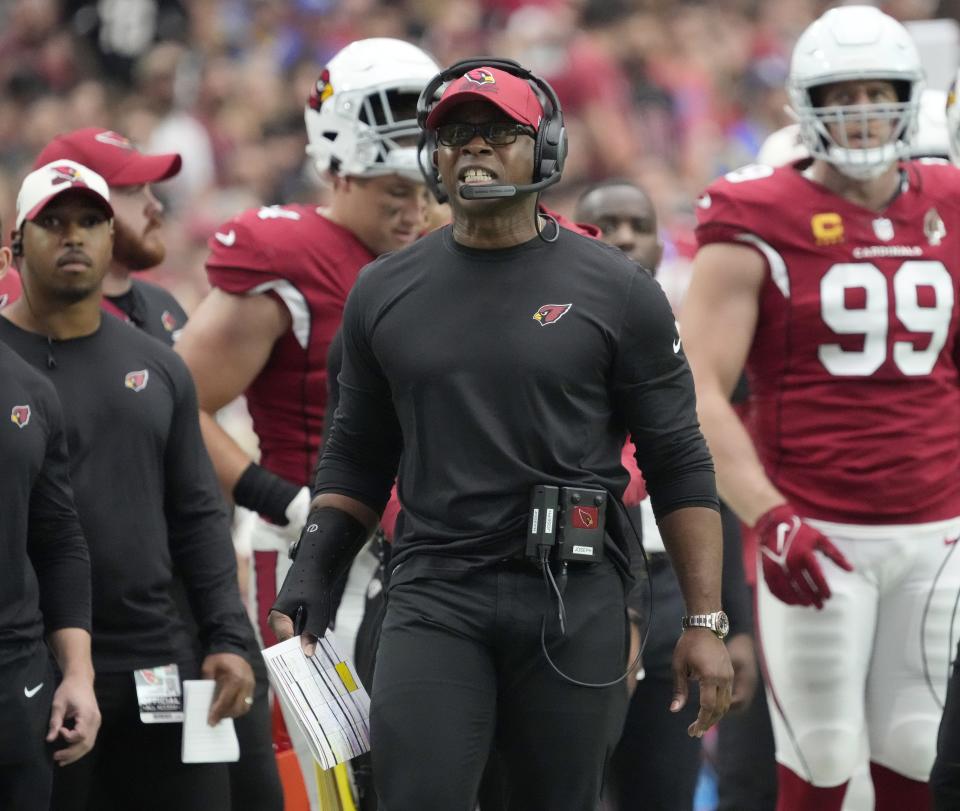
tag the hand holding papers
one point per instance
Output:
(323, 693)
(203, 743)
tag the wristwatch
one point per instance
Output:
(716, 622)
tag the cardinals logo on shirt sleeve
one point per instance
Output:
(20, 415)
(551, 313)
(137, 381)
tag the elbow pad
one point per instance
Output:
(328, 544)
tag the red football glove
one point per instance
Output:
(790, 567)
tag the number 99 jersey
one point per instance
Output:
(855, 400)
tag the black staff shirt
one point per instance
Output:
(484, 372)
(146, 494)
(150, 308)
(44, 565)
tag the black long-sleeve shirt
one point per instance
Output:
(44, 564)
(448, 372)
(146, 494)
(151, 309)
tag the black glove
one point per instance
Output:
(328, 544)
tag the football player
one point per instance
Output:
(834, 282)
(280, 277)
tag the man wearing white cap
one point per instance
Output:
(44, 591)
(138, 246)
(147, 499)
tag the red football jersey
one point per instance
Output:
(9, 288)
(309, 263)
(854, 398)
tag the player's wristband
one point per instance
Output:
(264, 492)
(327, 546)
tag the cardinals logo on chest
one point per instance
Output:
(551, 313)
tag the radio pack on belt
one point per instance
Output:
(572, 519)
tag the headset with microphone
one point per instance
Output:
(550, 143)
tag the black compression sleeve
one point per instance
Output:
(199, 531)
(264, 492)
(328, 544)
(364, 443)
(654, 393)
(334, 362)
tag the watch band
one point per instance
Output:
(717, 622)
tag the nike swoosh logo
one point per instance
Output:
(782, 530)
(676, 346)
(33, 692)
(226, 239)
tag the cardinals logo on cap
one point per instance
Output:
(65, 173)
(551, 313)
(137, 380)
(322, 90)
(20, 415)
(480, 76)
(111, 138)
(168, 321)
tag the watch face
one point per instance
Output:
(723, 624)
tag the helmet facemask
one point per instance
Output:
(834, 134)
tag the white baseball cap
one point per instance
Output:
(44, 184)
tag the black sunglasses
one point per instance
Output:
(495, 133)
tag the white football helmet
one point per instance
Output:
(855, 43)
(953, 120)
(782, 147)
(352, 115)
(931, 140)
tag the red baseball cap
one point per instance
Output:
(510, 93)
(111, 155)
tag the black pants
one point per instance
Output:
(26, 768)
(945, 777)
(254, 779)
(656, 763)
(460, 665)
(137, 765)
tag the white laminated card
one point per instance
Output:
(323, 693)
(203, 743)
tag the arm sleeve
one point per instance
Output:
(653, 391)
(55, 541)
(199, 530)
(362, 452)
(334, 364)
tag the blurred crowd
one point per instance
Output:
(669, 93)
